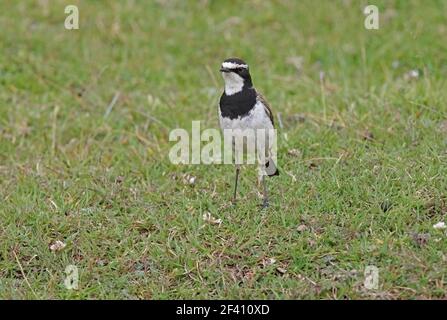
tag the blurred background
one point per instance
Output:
(85, 117)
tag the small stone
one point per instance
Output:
(440, 225)
(281, 270)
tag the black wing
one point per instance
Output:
(268, 110)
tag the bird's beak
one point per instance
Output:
(222, 69)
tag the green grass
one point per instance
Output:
(367, 137)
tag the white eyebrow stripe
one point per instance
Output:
(232, 65)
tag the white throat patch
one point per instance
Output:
(233, 83)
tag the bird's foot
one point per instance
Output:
(265, 204)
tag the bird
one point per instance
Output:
(242, 107)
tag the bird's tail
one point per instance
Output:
(271, 169)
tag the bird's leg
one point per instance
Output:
(265, 197)
(235, 183)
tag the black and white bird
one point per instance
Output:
(242, 107)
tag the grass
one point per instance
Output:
(363, 169)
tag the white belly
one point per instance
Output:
(256, 119)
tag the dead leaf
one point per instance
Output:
(421, 239)
(268, 262)
(367, 135)
(311, 242)
(281, 270)
(208, 218)
(57, 246)
(294, 152)
(189, 179)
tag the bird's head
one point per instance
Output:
(236, 75)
